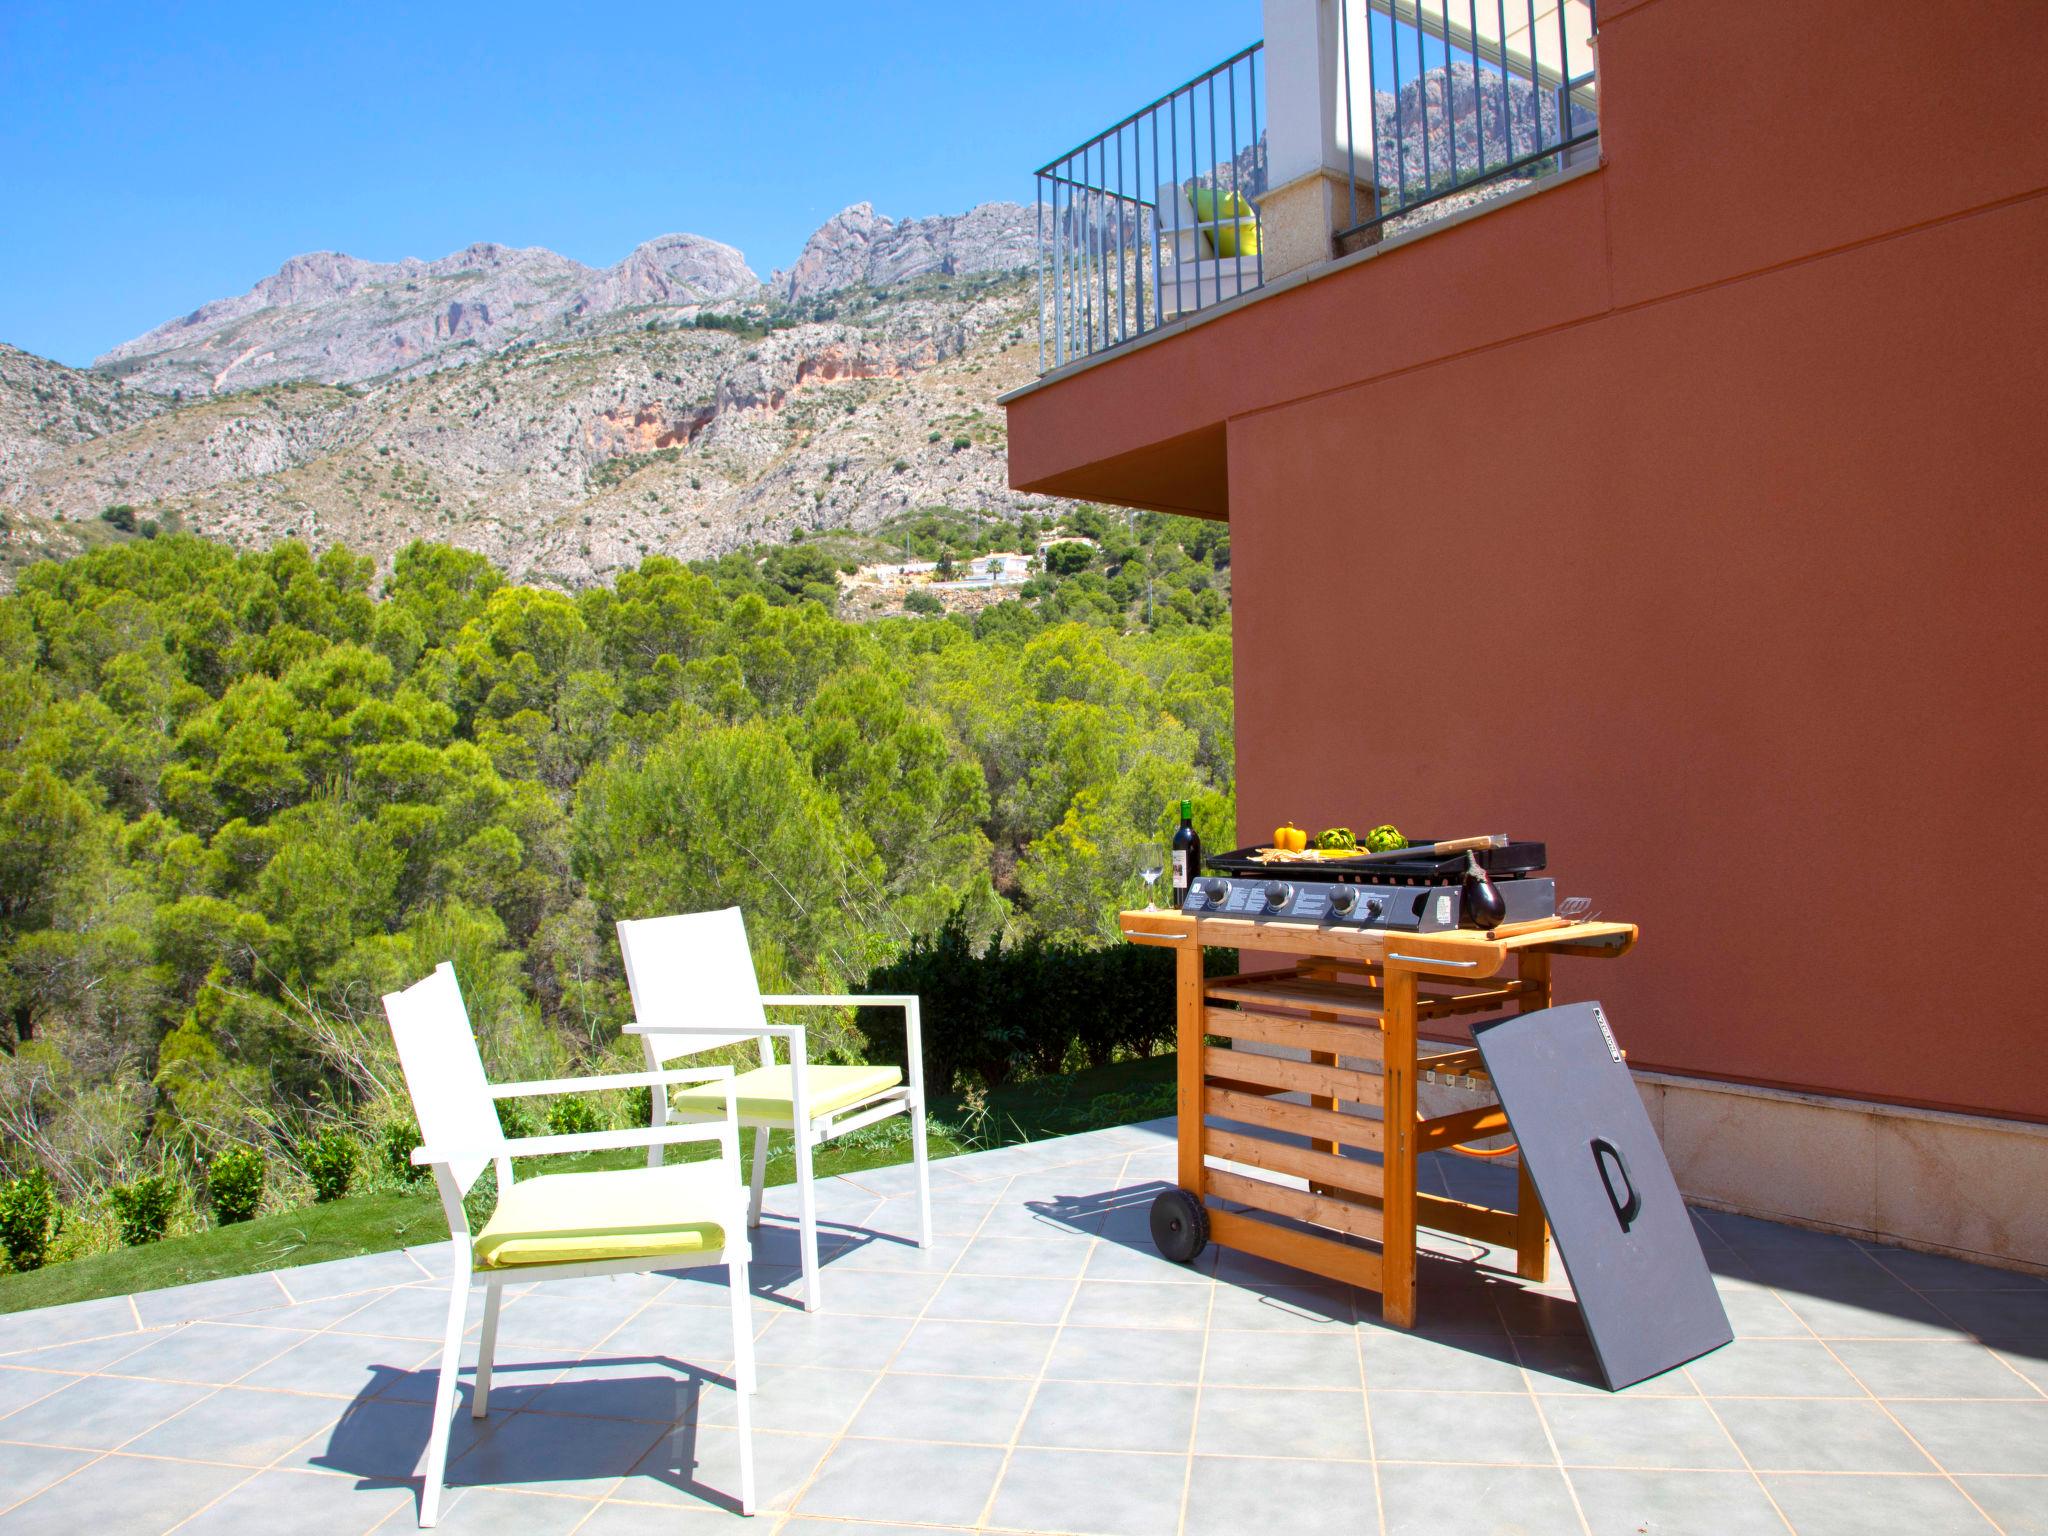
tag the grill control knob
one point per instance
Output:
(1215, 890)
(1277, 892)
(1375, 909)
(1342, 900)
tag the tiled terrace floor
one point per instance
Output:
(1041, 1369)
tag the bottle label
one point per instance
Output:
(1180, 870)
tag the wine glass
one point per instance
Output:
(1149, 871)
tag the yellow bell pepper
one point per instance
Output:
(1289, 838)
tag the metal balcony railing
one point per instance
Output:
(1154, 217)
(1465, 94)
(1444, 102)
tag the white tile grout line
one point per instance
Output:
(1543, 1419)
(1372, 1447)
(1187, 1482)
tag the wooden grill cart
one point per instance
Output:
(1355, 998)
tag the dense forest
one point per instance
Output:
(244, 794)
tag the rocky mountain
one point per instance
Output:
(629, 430)
(859, 245)
(333, 319)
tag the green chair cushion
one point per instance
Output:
(763, 1093)
(1228, 220)
(630, 1213)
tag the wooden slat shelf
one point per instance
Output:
(1290, 992)
(1351, 996)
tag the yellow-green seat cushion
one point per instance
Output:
(1228, 220)
(576, 1218)
(763, 1093)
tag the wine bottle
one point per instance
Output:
(1187, 853)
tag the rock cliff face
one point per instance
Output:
(333, 319)
(859, 245)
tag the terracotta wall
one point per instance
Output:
(1691, 516)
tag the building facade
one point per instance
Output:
(1685, 508)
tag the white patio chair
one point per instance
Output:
(694, 989)
(561, 1226)
(1197, 271)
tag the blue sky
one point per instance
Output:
(154, 157)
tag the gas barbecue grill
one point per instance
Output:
(1423, 894)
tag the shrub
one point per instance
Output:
(639, 1106)
(573, 1117)
(962, 442)
(921, 601)
(515, 1118)
(1015, 1012)
(396, 1143)
(27, 1205)
(234, 1185)
(143, 1209)
(330, 1163)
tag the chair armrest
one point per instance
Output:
(725, 1031)
(842, 1000)
(586, 1141)
(552, 1085)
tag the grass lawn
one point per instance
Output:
(372, 1223)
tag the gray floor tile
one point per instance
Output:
(407, 1312)
(690, 1336)
(1459, 1426)
(84, 1356)
(122, 1493)
(342, 1365)
(2030, 1360)
(209, 1353)
(624, 1389)
(695, 1471)
(1281, 1308)
(1629, 1503)
(1856, 1505)
(581, 1457)
(1275, 1421)
(1567, 1367)
(2019, 1505)
(1757, 1312)
(284, 1503)
(1453, 1363)
(503, 1512)
(1938, 1272)
(966, 1410)
(1790, 1435)
(45, 1326)
(879, 1293)
(250, 1429)
(1980, 1437)
(1889, 1312)
(19, 1388)
(2000, 1316)
(1139, 1304)
(1137, 1259)
(381, 1441)
(986, 1299)
(1233, 1495)
(341, 1277)
(1476, 1501)
(1126, 1354)
(802, 1527)
(1931, 1368)
(793, 1400)
(1092, 1493)
(885, 1254)
(1282, 1360)
(233, 1297)
(1005, 1255)
(1101, 1416)
(26, 1470)
(99, 1413)
(832, 1339)
(900, 1480)
(987, 1349)
(1772, 1368)
(1670, 1432)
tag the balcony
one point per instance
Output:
(1355, 121)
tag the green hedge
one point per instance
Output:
(1017, 1011)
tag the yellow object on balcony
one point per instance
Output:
(1228, 220)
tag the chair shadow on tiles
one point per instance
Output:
(625, 1416)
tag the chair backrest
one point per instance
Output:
(692, 968)
(444, 1075)
(1180, 230)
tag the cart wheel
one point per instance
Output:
(1180, 1226)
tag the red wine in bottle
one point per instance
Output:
(1187, 853)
